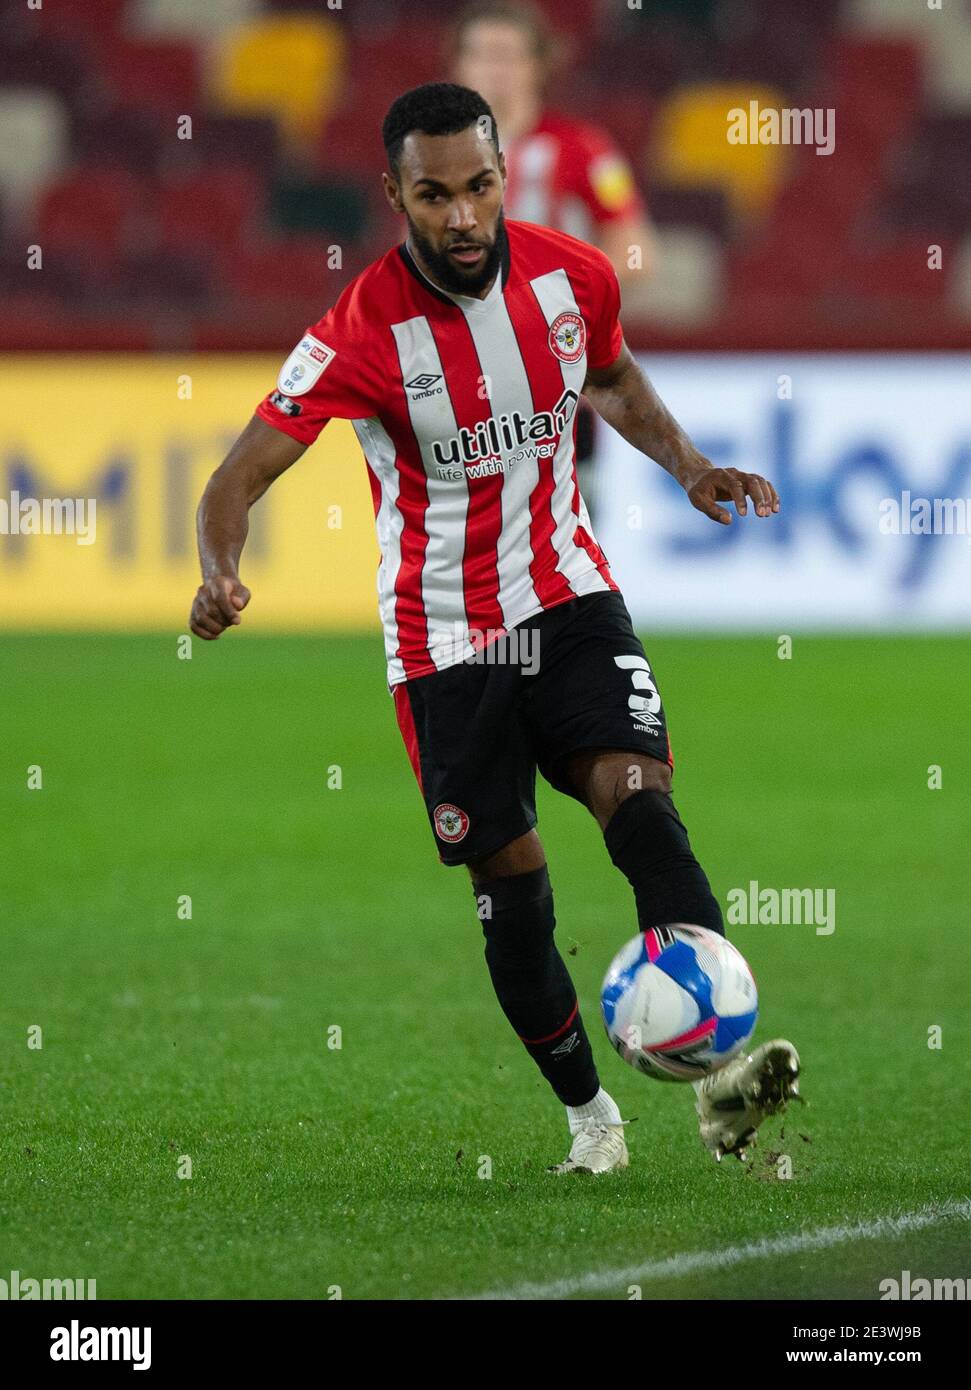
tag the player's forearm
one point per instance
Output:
(222, 522)
(633, 408)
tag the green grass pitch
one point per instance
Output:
(315, 907)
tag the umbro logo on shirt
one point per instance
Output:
(423, 384)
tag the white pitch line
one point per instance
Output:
(677, 1266)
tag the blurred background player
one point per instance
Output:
(562, 172)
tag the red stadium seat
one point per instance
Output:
(828, 192)
(119, 139)
(930, 184)
(895, 271)
(162, 78)
(163, 281)
(94, 17)
(250, 142)
(876, 91)
(93, 215)
(209, 209)
(291, 270)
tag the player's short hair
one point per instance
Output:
(521, 13)
(437, 108)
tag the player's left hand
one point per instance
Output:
(731, 485)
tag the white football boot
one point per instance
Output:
(733, 1101)
(596, 1148)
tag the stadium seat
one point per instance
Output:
(706, 209)
(691, 145)
(35, 142)
(161, 78)
(92, 215)
(387, 63)
(72, 17)
(657, 63)
(960, 279)
(894, 271)
(23, 289)
(776, 43)
(249, 141)
(163, 281)
(930, 186)
(351, 142)
(943, 36)
(188, 18)
(333, 207)
(290, 270)
(209, 210)
(875, 91)
(686, 291)
(121, 139)
(829, 194)
(289, 67)
(52, 62)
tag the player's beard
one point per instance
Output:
(450, 276)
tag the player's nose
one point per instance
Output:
(462, 218)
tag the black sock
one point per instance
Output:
(647, 841)
(532, 983)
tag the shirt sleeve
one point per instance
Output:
(605, 179)
(606, 337)
(328, 375)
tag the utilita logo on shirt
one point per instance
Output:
(495, 444)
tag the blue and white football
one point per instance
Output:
(679, 1002)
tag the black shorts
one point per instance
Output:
(573, 677)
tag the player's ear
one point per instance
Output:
(502, 166)
(392, 192)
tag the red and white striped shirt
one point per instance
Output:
(465, 409)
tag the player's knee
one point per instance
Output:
(520, 856)
(649, 775)
(647, 841)
(607, 779)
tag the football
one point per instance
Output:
(678, 1002)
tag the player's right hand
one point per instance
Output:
(217, 605)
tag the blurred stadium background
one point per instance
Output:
(154, 242)
(809, 317)
(161, 267)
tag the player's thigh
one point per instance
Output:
(593, 708)
(471, 755)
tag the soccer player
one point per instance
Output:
(460, 357)
(562, 172)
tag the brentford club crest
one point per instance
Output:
(568, 337)
(451, 824)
